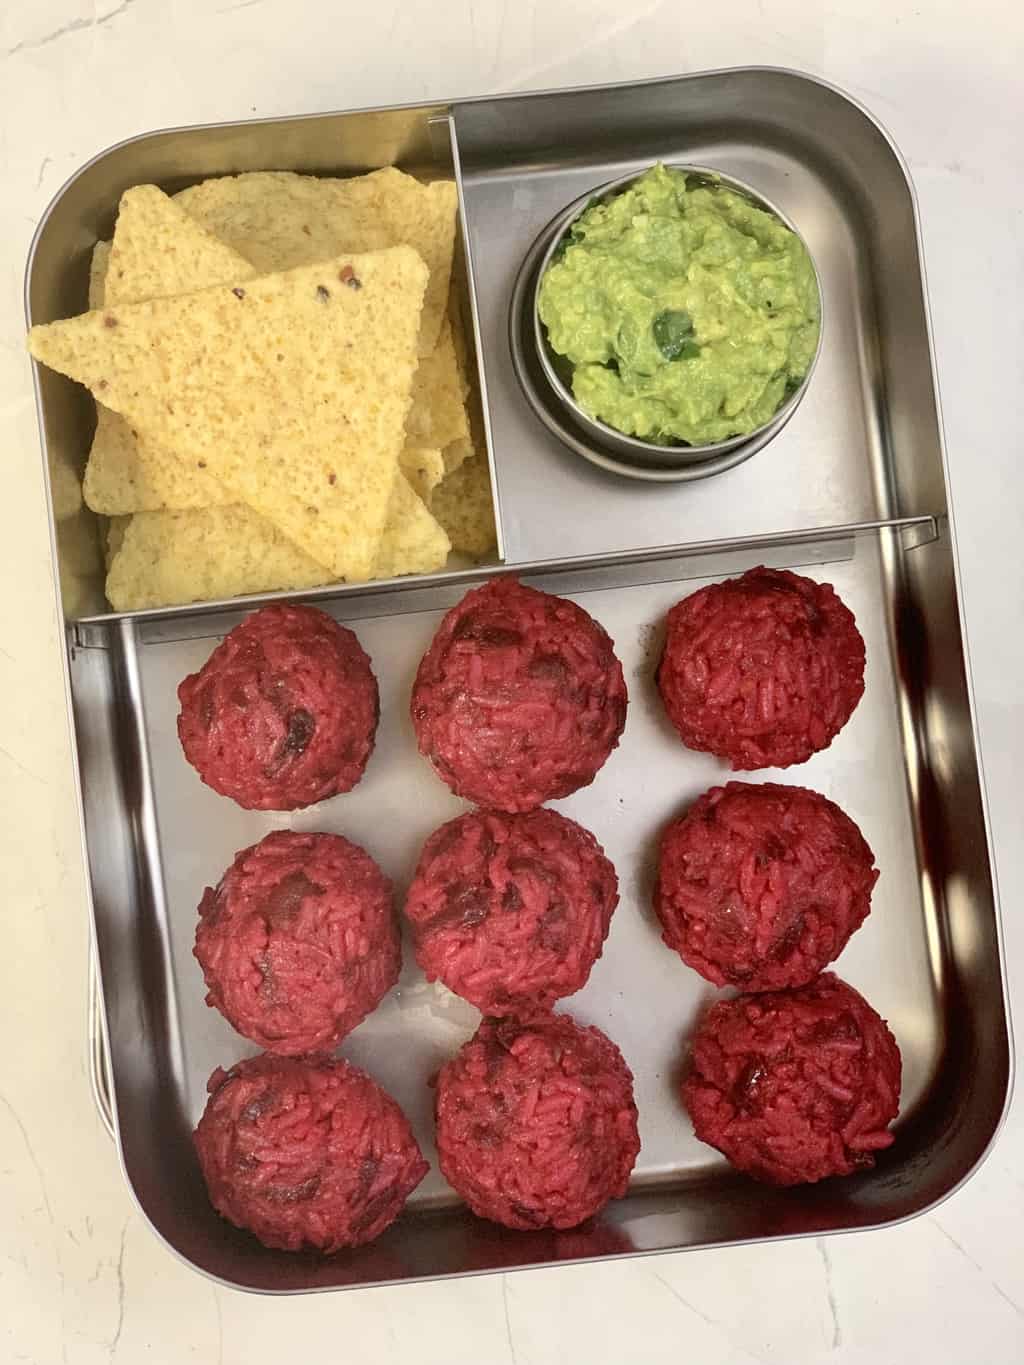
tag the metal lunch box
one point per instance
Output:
(853, 491)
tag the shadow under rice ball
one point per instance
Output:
(298, 943)
(519, 699)
(511, 911)
(761, 886)
(306, 1153)
(795, 1086)
(536, 1122)
(763, 670)
(284, 712)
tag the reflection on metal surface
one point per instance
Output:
(99, 1058)
(857, 478)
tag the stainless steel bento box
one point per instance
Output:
(852, 491)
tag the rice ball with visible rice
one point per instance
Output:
(298, 942)
(511, 911)
(536, 1122)
(795, 1086)
(306, 1153)
(763, 670)
(760, 886)
(284, 712)
(519, 699)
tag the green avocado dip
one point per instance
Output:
(687, 314)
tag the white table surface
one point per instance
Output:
(82, 1279)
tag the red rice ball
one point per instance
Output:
(536, 1122)
(283, 713)
(760, 887)
(795, 1086)
(306, 1153)
(519, 699)
(511, 911)
(298, 942)
(763, 670)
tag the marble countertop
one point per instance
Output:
(82, 1278)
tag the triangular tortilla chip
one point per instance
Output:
(456, 454)
(292, 391)
(413, 541)
(424, 468)
(162, 559)
(279, 220)
(437, 415)
(157, 251)
(464, 505)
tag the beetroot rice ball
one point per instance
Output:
(519, 699)
(794, 1086)
(283, 713)
(298, 943)
(306, 1152)
(536, 1123)
(761, 886)
(763, 670)
(511, 911)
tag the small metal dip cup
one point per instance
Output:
(614, 449)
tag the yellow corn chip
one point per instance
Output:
(116, 528)
(413, 540)
(438, 412)
(278, 220)
(464, 506)
(456, 454)
(293, 390)
(166, 558)
(423, 467)
(128, 473)
(157, 250)
(98, 274)
(144, 475)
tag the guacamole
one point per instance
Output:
(686, 313)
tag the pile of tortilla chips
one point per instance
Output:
(281, 384)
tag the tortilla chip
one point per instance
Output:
(279, 220)
(423, 467)
(98, 273)
(293, 390)
(166, 558)
(127, 473)
(413, 540)
(464, 505)
(438, 412)
(116, 528)
(456, 454)
(158, 250)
